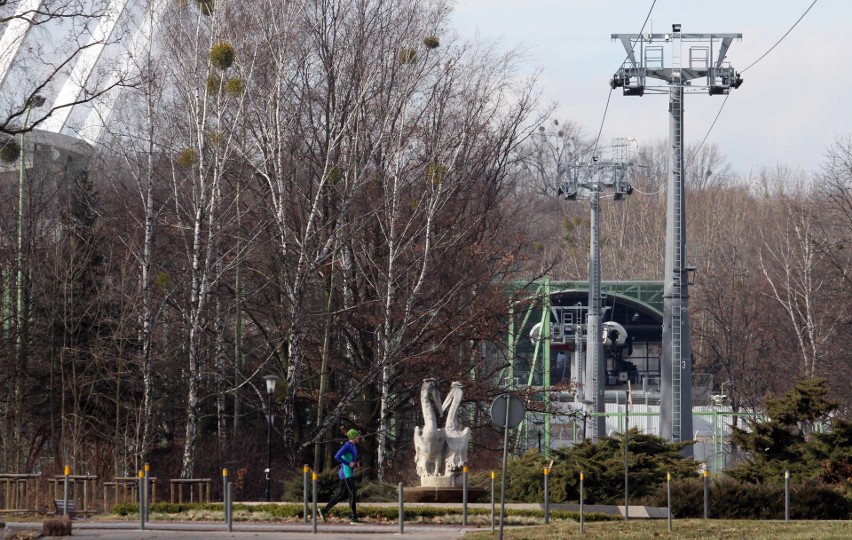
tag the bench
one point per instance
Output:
(59, 503)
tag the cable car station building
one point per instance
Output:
(551, 363)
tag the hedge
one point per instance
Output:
(732, 499)
(294, 511)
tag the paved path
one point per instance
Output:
(129, 530)
(122, 530)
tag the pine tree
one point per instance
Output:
(602, 463)
(788, 439)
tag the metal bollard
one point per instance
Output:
(306, 470)
(141, 492)
(786, 495)
(582, 520)
(225, 493)
(65, 491)
(401, 511)
(464, 496)
(314, 482)
(706, 494)
(229, 513)
(669, 497)
(493, 474)
(546, 496)
(147, 469)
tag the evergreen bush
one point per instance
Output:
(327, 485)
(602, 463)
(734, 499)
(790, 440)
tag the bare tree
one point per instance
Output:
(791, 265)
(207, 104)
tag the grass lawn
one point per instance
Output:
(685, 528)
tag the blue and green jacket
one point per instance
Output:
(347, 454)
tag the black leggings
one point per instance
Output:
(347, 488)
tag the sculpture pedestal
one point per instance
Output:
(451, 481)
(442, 489)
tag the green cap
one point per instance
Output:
(352, 433)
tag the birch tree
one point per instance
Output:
(791, 264)
(207, 101)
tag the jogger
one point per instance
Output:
(347, 456)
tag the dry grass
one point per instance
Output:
(26, 534)
(681, 529)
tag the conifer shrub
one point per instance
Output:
(378, 492)
(816, 500)
(602, 464)
(733, 499)
(327, 485)
(788, 439)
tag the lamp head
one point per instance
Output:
(270, 383)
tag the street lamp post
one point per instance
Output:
(270, 417)
(35, 101)
(539, 427)
(20, 319)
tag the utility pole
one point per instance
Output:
(588, 178)
(705, 71)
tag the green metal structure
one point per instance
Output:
(545, 315)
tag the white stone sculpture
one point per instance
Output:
(440, 453)
(457, 439)
(429, 440)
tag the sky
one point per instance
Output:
(791, 107)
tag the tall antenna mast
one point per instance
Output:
(705, 71)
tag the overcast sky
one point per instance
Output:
(792, 105)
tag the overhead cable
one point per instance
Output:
(752, 65)
(606, 108)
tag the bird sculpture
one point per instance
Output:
(457, 439)
(429, 439)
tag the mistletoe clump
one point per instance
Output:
(187, 158)
(222, 55)
(235, 86)
(206, 6)
(10, 151)
(213, 82)
(431, 42)
(407, 56)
